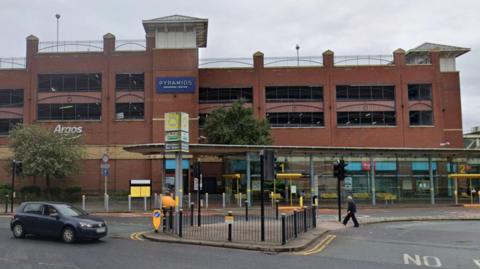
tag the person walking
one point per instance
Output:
(352, 209)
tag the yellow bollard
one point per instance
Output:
(301, 201)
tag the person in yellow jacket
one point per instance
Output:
(168, 201)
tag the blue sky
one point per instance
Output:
(239, 28)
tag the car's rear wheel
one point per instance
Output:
(18, 230)
(68, 235)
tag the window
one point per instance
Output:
(378, 92)
(419, 91)
(421, 118)
(366, 118)
(69, 82)
(130, 82)
(11, 98)
(33, 209)
(6, 125)
(129, 110)
(295, 119)
(293, 93)
(224, 95)
(91, 111)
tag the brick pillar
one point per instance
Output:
(435, 55)
(150, 41)
(32, 49)
(258, 105)
(328, 59)
(108, 43)
(399, 57)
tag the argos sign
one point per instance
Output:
(68, 129)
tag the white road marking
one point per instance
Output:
(429, 261)
(477, 262)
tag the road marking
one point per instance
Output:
(137, 236)
(429, 261)
(319, 247)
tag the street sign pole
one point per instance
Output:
(262, 202)
(104, 167)
(13, 185)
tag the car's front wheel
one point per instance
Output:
(68, 235)
(18, 230)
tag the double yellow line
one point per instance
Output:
(319, 247)
(137, 236)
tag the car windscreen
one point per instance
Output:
(70, 211)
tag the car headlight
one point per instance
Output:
(85, 225)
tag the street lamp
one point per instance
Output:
(58, 18)
(297, 47)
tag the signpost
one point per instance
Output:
(105, 166)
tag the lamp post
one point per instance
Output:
(58, 18)
(297, 47)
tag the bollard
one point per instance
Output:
(191, 213)
(164, 218)
(272, 198)
(106, 198)
(189, 198)
(155, 200)
(305, 219)
(223, 199)
(230, 227)
(160, 204)
(276, 209)
(170, 219)
(145, 203)
(240, 199)
(246, 210)
(6, 204)
(83, 201)
(284, 232)
(129, 203)
(206, 200)
(295, 232)
(180, 214)
(301, 201)
(314, 216)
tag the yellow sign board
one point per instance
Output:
(139, 191)
(176, 121)
(229, 219)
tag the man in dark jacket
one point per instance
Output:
(352, 209)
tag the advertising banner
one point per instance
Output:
(176, 84)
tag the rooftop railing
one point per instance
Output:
(70, 46)
(268, 62)
(131, 45)
(13, 63)
(225, 62)
(356, 60)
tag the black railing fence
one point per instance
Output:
(244, 227)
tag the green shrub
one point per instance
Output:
(30, 193)
(54, 194)
(4, 190)
(74, 190)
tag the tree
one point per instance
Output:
(45, 153)
(236, 125)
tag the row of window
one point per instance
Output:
(293, 93)
(366, 118)
(92, 111)
(224, 95)
(295, 119)
(347, 92)
(11, 98)
(88, 82)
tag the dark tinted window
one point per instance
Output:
(419, 91)
(6, 125)
(293, 93)
(69, 82)
(366, 118)
(33, 209)
(421, 118)
(224, 95)
(129, 110)
(90, 111)
(11, 98)
(70, 211)
(132, 82)
(295, 119)
(377, 92)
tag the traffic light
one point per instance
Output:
(339, 170)
(18, 167)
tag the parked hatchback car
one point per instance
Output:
(58, 220)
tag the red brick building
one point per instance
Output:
(115, 95)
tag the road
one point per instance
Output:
(455, 244)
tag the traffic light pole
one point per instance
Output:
(262, 202)
(339, 202)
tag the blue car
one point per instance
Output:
(57, 220)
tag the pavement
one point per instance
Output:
(327, 222)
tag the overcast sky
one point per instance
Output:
(238, 28)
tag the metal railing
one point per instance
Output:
(225, 62)
(293, 61)
(70, 46)
(357, 60)
(131, 45)
(13, 63)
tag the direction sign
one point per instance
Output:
(104, 165)
(105, 172)
(176, 136)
